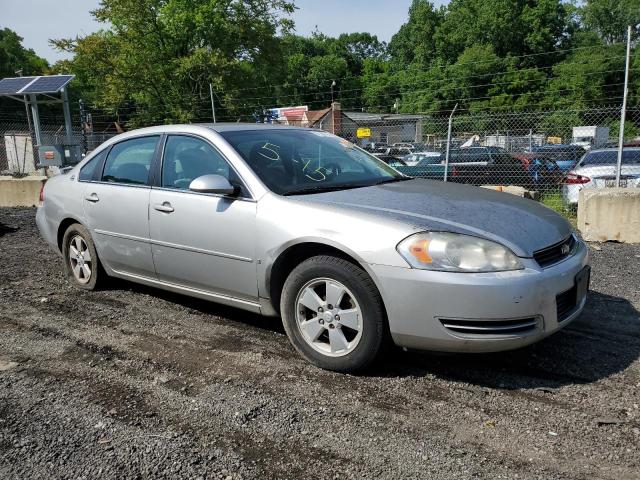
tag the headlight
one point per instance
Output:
(456, 253)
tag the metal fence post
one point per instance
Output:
(623, 112)
(213, 105)
(446, 157)
(83, 130)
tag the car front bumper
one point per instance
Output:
(488, 311)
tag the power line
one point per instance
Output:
(550, 52)
(400, 90)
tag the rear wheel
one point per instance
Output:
(333, 314)
(80, 258)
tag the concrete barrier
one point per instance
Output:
(20, 192)
(609, 214)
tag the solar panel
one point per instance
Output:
(48, 84)
(11, 86)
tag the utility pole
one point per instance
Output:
(213, 106)
(623, 112)
(446, 158)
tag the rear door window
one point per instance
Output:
(129, 161)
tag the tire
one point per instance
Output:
(78, 239)
(365, 336)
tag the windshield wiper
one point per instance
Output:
(326, 188)
(392, 180)
(333, 188)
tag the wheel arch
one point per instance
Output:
(294, 254)
(64, 224)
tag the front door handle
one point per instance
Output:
(163, 207)
(92, 198)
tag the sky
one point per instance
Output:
(39, 20)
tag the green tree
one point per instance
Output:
(588, 76)
(313, 63)
(516, 27)
(162, 54)
(13, 56)
(380, 85)
(415, 41)
(610, 18)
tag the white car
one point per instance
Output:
(597, 169)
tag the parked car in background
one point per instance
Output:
(376, 147)
(565, 156)
(397, 151)
(597, 169)
(391, 160)
(349, 252)
(429, 165)
(414, 158)
(486, 166)
(408, 145)
(545, 174)
(524, 157)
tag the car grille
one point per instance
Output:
(490, 327)
(566, 303)
(555, 253)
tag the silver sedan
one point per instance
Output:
(301, 224)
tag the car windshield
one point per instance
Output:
(610, 157)
(291, 161)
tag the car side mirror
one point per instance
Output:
(212, 184)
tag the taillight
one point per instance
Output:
(41, 194)
(575, 179)
(454, 172)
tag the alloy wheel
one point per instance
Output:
(329, 317)
(80, 259)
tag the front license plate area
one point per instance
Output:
(582, 283)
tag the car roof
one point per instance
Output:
(626, 149)
(235, 127)
(559, 146)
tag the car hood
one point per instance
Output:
(522, 225)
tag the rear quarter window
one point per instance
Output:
(610, 157)
(88, 169)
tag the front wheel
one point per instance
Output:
(333, 314)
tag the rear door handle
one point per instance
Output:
(163, 207)
(92, 198)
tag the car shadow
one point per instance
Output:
(6, 229)
(206, 307)
(602, 341)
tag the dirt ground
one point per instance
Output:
(133, 382)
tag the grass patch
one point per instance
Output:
(554, 201)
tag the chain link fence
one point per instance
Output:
(550, 155)
(18, 146)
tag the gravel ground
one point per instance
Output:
(133, 382)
